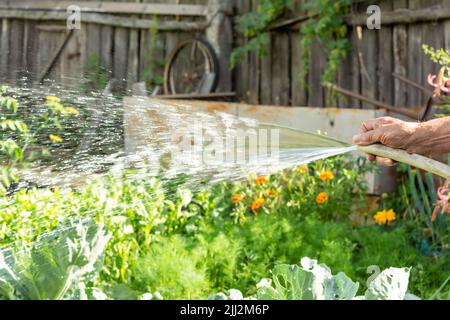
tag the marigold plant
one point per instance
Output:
(384, 217)
(326, 175)
(257, 204)
(303, 169)
(236, 198)
(260, 181)
(322, 198)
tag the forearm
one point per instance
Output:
(431, 137)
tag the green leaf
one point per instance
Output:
(391, 284)
(310, 281)
(55, 263)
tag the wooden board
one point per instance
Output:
(369, 54)
(109, 7)
(385, 60)
(5, 50)
(415, 58)
(433, 36)
(400, 58)
(73, 58)
(281, 71)
(299, 93)
(133, 58)
(120, 66)
(316, 93)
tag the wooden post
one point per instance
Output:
(400, 38)
(4, 45)
(219, 34)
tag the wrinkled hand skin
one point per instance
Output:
(426, 138)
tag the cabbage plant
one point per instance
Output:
(314, 281)
(55, 266)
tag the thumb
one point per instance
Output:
(368, 138)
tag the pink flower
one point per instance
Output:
(440, 83)
(442, 204)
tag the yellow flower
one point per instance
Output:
(257, 204)
(53, 99)
(390, 215)
(260, 181)
(322, 198)
(55, 138)
(236, 198)
(271, 193)
(71, 110)
(303, 169)
(326, 175)
(384, 217)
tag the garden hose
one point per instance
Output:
(414, 160)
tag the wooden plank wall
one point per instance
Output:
(26, 46)
(273, 79)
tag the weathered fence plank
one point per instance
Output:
(121, 37)
(109, 7)
(369, 54)
(280, 71)
(4, 45)
(299, 95)
(385, 61)
(400, 57)
(122, 45)
(266, 76)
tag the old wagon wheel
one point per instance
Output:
(192, 67)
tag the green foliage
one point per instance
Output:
(55, 264)
(310, 281)
(149, 74)
(97, 75)
(173, 270)
(439, 56)
(418, 199)
(25, 136)
(156, 227)
(327, 26)
(254, 25)
(313, 281)
(296, 190)
(442, 57)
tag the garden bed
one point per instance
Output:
(183, 244)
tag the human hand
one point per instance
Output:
(390, 132)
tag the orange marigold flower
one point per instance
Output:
(303, 169)
(271, 193)
(236, 198)
(257, 204)
(326, 175)
(322, 198)
(260, 181)
(384, 217)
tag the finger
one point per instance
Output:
(369, 137)
(386, 162)
(371, 157)
(367, 125)
(375, 123)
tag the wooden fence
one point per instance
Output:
(120, 35)
(375, 55)
(125, 36)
